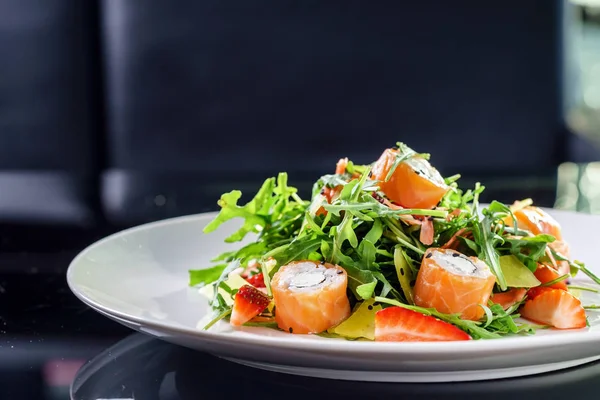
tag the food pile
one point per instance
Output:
(391, 251)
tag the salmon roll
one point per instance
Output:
(415, 183)
(310, 297)
(453, 283)
(537, 221)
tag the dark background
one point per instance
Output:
(119, 112)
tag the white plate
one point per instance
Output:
(139, 278)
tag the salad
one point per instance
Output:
(391, 251)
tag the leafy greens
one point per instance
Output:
(377, 243)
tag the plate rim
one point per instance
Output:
(335, 346)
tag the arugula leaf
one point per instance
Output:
(367, 253)
(217, 301)
(275, 205)
(205, 276)
(503, 322)
(366, 290)
(359, 277)
(387, 286)
(486, 240)
(529, 250)
(471, 244)
(298, 249)
(375, 232)
(576, 266)
(216, 319)
(345, 231)
(230, 209)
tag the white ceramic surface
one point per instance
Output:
(139, 278)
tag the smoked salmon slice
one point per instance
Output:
(413, 184)
(453, 283)
(509, 298)
(537, 221)
(310, 297)
(562, 247)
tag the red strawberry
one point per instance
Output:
(256, 280)
(397, 324)
(536, 291)
(555, 307)
(248, 303)
(547, 274)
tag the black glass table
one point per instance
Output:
(47, 336)
(140, 367)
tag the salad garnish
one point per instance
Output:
(391, 234)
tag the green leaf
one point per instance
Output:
(333, 180)
(398, 236)
(298, 249)
(205, 276)
(452, 179)
(356, 190)
(274, 212)
(529, 249)
(326, 250)
(367, 253)
(346, 192)
(368, 203)
(230, 209)
(346, 232)
(541, 238)
(375, 232)
(387, 286)
(358, 277)
(516, 273)
(471, 244)
(360, 215)
(338, 257)
(217, 318)
(366, 290)
(486, 239)
(310, 222)
(497, 207)
(217, 301)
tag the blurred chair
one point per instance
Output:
(114, 113)
(206, 90)
(48, 119)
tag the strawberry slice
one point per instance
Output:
(536, 291)
(256, 280)
(397, 324)
(554, 307)
(248, 303)
(547, 274)
(509, 298)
